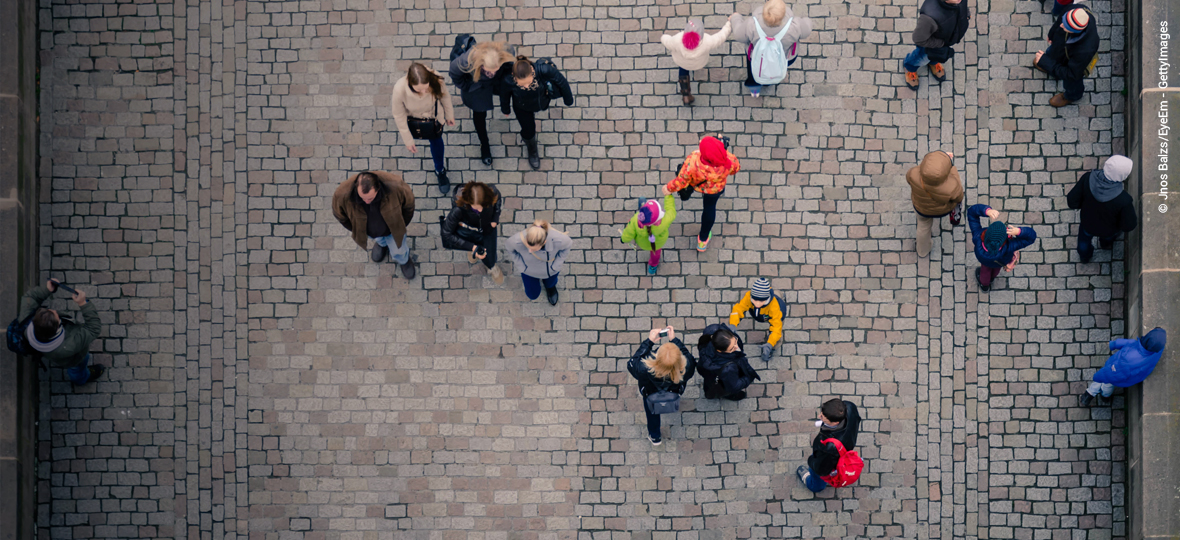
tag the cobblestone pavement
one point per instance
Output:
(270, 382)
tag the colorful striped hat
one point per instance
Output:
(1076, 20)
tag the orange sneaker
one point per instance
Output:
(938, 73)
(911, 79)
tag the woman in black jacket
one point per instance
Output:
(669, 369)
(723, 365)
(536, 84)
(471, 225)
(480, 73)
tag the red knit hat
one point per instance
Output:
(713, 152)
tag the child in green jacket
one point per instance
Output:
(649, 229)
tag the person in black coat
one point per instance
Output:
(479, 73)
(723, 364)
(535, 86)
(471, 225)
(1073, 44)
(669, 368)
(1106, 209)
(837, 420)
(941, 25)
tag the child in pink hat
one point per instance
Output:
(649, 229)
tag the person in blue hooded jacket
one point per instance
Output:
(1134, 361)
(997, 247)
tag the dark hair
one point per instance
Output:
(522, 68)
(420, 74)
(720, 338)
(833, 410)
(45, 324)
(476, 193)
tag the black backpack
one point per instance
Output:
(551, 91)
(463, 43)
(725, 382)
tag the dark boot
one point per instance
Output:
(1086, 400)
(534, 157)
(444, 183)
(551, 295)
(485, 153)
(686, 91)
(378, 253)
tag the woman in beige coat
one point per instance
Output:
(690, 50)
(422, 95)
(771, 17)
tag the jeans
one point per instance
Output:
(685, 74)
(654, 259)
(1095, 388)
(1074, 90)
(80, 373)
(653, 420)
(916, 59)
(481, 126)
(814, 483)
(399, 255)
(437, 153)
(709, 214)
(987, 274)
(527, 121)
(532, 285)
(1086, 243)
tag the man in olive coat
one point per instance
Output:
(378, 205)
(63, 342)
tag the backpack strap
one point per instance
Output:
(758, 27)
(783, 32)
(839, 445)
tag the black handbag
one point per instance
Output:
(426, 128)
(469, 234)
(663, 400)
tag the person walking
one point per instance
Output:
(472, 223)
(705, 170)
(690, 51)
(479, 73)
(941, 25)
(648, 228)
(1072, 53)
(838, 420)
(764, 23)
(62, 342)
(1106, 209)
(667, 370)
(421, 104)
(1134, 361)
(535, 86)
(723, 364)
(936, 190)
(765, 307)
(998, 247)
(378, 206)
(538, 255)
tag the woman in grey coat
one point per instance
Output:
(538, 254)
(771, 17)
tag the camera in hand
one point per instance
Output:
(481, 251)
(725, 142)
(664, 333)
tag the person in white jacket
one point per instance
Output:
(690, 50)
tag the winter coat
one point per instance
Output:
(407, 103)
(935, 187)
(713, 362)
(1134, 360)
(744, 30)
(705, 178)
(1003, 256)
(1102, 219)
(477, 95)
(633, 232)
(824, 457)
(78, 336)
(466, 218)
(537, 96)
(396, 204)
(649, 383)
(1068, 61)
(697, 58)
(771, 312)
(941, 24)
(547, 261)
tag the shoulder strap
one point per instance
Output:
(758, 27)
(836, 442)
(783, 32)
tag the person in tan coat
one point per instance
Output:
(690, 51)
(377, 206)
(422, 96)
(936, 191)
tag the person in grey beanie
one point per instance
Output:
(1106, 208)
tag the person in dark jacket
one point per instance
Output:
(669, 368)
(998, 246)
(941, 25)
(837, 420)
(478, 74)
(1134, 361)
(1106, 209)
(723, 364)
(535, 85)
(61, 341)
(1073, 45)
(472, 224)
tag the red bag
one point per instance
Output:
(848, 469)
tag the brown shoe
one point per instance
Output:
(938, 72)
(1059, 100)
(911, 79)
(497, 275)
(686, 91)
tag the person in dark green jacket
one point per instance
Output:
(61, 341)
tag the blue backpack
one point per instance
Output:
(19, 344)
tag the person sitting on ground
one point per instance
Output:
(1072, 54)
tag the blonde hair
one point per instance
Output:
(667, 363)
(537, 233)
(773, 12)
(492, 54)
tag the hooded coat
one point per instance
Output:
(464, 217)
(78, 337)
(697, 58)
(935, 186)
(1135, 359)
(744, 30)
(1003, 256)
(396, 206)
(712, 366)
(824, 457)
(547, 261)
(941, 24)
(477, 95)
(1067, 60)
(706, 178)
(1103, 219)
(649, 383)
(633, 232)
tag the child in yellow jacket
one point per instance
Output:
(763, 306)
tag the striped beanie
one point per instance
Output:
(1076, 20)
(761, 290)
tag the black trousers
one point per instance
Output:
(527, 121)
(481, 126)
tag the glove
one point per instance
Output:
(767, 352)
